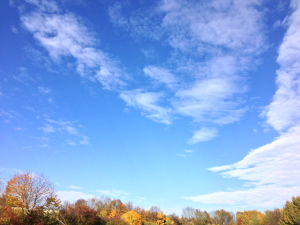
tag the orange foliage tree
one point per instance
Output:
(29, 191)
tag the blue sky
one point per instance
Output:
(165, 103)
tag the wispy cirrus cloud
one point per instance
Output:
(64, 35)
(273, 169)
(148, 103)
(67, 127)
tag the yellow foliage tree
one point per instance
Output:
(169, 221)
(132, 217)
(113, 213)
(252, 217)
(161, 219)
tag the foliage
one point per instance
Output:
(176, 220)
(222, 217)
(271, 217)
(16, 216)
(29, 191)
(203, 218)
(161, 219)
(252, 217)
(291, 212)
(81, 214)
(148, 223)
(30, 199)
(115, 221)
(132, 218)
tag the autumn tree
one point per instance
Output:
(272, 217)
(250, 217)
(129, 206)
(175, 219)
(291, 212)
(81, 202)
(223, 217)
(202, 218)
(169, 221)
(132, 217)
(161, 219)
(29, 191)
(80, 214)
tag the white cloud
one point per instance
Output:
(66, 127)
(267, 196)
(44, 90)
(43, 146)
(182, 155)
(72, 196)
(204, 134)
(47, 128)
(50, 100)
(69, 142)
(14, 30)
(272, 171)
(283, 112)
(213, 44)
(75, 187)
(161, 75)
(44, 5)
(84, 141)
(189, 151)
(63, 35)
(208, 100)
(234, 25)
(148, 103)
(113, 193)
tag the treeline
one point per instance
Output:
(30, 199)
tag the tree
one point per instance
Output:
(132, 217)
(291, 212)
(188, 213)
(1, 193)
(80, 214)
(29, 191)
(223, 217)
(250, 217)
(203, 218)
(161, 219)
(81, 202)
(272, 217)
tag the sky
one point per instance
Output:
(167, 103)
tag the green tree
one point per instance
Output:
(291, 212)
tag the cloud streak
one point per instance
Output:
(113, 193)
(53, 126)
